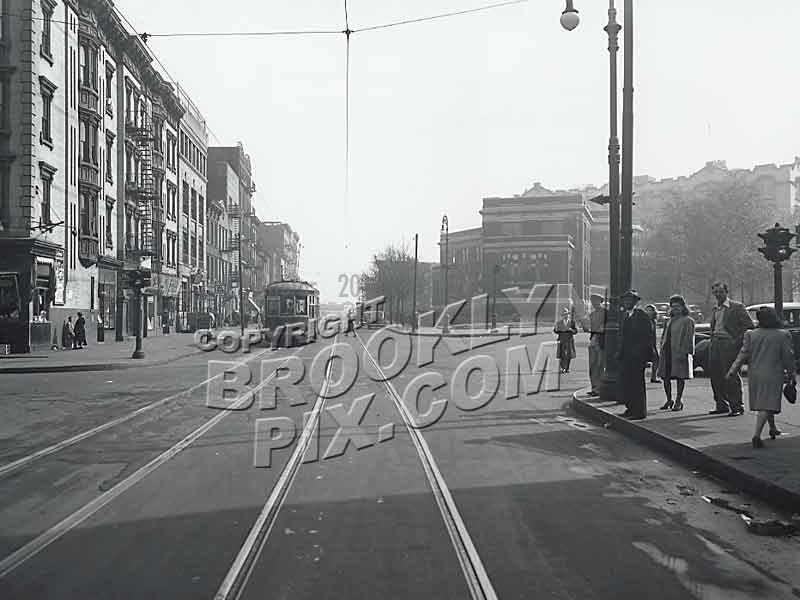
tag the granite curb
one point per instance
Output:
(776, 495)
(83, 367)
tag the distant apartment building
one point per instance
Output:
(283, 244)
(192, 186)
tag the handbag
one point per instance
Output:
(790, 392)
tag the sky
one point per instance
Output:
(447, 112)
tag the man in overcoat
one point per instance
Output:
(729, 321)
(635, 351)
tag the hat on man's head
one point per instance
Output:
(631, 294)
(598, 296)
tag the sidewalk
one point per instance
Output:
(108, 356)
(502, 330)
(716, 444)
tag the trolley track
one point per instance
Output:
(239, 572)
(478, 582)
(238, 583)
(40, 542)
(25, 461)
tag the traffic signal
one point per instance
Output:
(777, 242)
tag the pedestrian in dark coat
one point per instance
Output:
(768, 352)
(80, 332)
(565, 329)
(677, 350)
(651, 311)
(635, 351)
(728, 325)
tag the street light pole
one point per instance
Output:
(495, 271)
(610, 337)
(414, 299)
(619, 221)
(446, 231)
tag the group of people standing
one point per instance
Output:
(73, 336)
(767, 350)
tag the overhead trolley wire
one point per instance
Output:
(440, 16)
(346, 31)
(178, 88)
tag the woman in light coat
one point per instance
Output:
(67, 334)
(769, 355)
(677, 350)
(565, 329)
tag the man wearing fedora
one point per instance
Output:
(634, 353)
(595, 324)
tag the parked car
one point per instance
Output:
(662, 313)
(791, 321)
(695, 313)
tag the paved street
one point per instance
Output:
(519, 498)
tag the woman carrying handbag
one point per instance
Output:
(769, 355)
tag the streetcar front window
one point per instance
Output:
(300, 306)
(273, 305)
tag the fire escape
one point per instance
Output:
(146, 201)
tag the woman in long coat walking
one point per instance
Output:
(565, 329)
(768, 353)
(677, 350)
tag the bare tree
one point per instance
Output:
(705, 235)
(391, 274)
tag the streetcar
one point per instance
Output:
(290, 310)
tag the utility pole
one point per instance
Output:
(626, 213)
(241, 287)
(414, 299)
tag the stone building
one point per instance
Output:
(539, 236)
(79, 181)
(193, 183)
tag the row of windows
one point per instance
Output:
(192, 153)
(218, 236)
(218, 269)
(193, 203)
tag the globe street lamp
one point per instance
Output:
(570, 18)
(776, 250)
